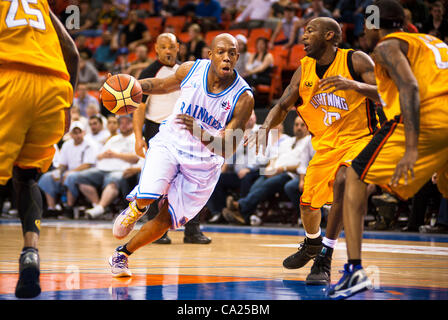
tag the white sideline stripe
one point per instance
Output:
(390, 248)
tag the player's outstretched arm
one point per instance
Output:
(226, 144)
(278, 113)
(69, 50)
(168, 84)
(391, 54)
(363, 66)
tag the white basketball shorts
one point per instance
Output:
(186, 181)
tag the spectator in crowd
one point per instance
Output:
(408, 25)
(255, 10)
(81, 44)
(75, 115)
(87, 74)
(97, 132)
(141, 62)
(427, 196)
(106, 54)
(108, 13)
(166, 8)
(196, 43)
(113, 159)
(243, 60)
(87, 21)
(76, 155)
(209, 14)
(352, 11)
(258, 70)
(134, 33)
(441, 224)
(83, 99)
(237, 175)
(437, 22)
(419, 10)
(122, 7)
(182, 55)
(278, 8)
(285, 25)
(112, 127)
(314, 10)
(280, 170)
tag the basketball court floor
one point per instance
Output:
(241, 263)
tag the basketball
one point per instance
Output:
(121, 94)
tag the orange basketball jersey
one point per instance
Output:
(334, 119)
(428, 58)
(27, 36)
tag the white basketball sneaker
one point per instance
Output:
(126, 220)
(119, 265)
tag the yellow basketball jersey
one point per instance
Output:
(27, 36)
(334, 119)
(428, 58)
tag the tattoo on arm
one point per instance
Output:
(147, 86)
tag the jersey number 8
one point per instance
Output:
(12, 22)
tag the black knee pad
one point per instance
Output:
(29, 199)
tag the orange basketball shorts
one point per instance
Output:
(32, 117)
(376, 163)
(322, 170)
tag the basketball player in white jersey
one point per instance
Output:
(183, 161)
(152, 112)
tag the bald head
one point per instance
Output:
(226, 37)
(168, 36)
(325, 24)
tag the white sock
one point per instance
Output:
(329, 242)
(313, 236)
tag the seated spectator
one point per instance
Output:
(142, 61)
(97, 132)
(75, 115)
(81, 44)
(238, 174)
(280, 170)
(350, 11)
(83, 99)
(87, 74)
(166, 8)
(209, 14)
(76, 155)
(419, 10)
(315, 10)
(278, 8)
(106, 54)
(408, 25)
(428, 196)
(122, 7)
(112, 127)
(196, 43)
(243, 60)
(285, 25)
(134, 33)
(87, 21)
(437, 22)
(113, 159)
(441, 224)
(255, 10)
(259, 67)
(108, 13)
(182, 55)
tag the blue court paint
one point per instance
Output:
(244, 290)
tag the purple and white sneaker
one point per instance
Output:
(119, 265)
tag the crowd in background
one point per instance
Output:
(95, 164)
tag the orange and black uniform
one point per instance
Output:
(341, 124)
(428, 59)
(34, 87)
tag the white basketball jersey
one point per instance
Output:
(212, 111)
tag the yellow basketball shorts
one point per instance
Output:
(322, 170)
(377, 162)
(32, 105)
